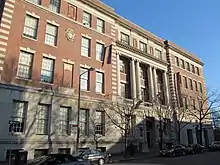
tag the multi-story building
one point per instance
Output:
(48, 46)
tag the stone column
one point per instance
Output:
(150, 82)
(165, 87)
(118, 75)
(155, 81)
(133, 79)
(138, 80)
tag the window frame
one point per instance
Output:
(49, 35)
(45, 119)
(125, 40)
(191, 83)
(196, 85)
(87, 21)
(100, 82)
(158, 54)
(36, 1)
(53, 5)
(74, 8)
(186, 82)
(85, 122)
(100, 28)
(30, 66)
(188, 66)
(177, 61)
(85, 78)
(86, 47)
(143, 48)
(182, 63)
(64, 121)
(47, 70)
(100, 54)
(100, 126)
(28, 27)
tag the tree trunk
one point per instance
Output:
(179, 131)
(200, 132)
(161, 135)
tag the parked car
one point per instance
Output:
(214, 146)
(174, 150)
(56, 159)
(95, 156)
(195, 149)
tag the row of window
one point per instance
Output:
(25, 67)
(186, 65)
(31, 28)
(125, 39)
(43, 117)
(72, 13)
(192, 84)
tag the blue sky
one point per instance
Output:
(191, 24)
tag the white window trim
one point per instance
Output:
(100, 70)
(85, 66)
(53, 22)
(49, 56)
(100, 42)
(68, 61)
(86, 36)
(27, 49)
(33, 14)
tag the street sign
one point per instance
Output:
(13, 122)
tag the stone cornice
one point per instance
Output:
(139, 52)
(183, 52)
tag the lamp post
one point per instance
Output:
(78, 106)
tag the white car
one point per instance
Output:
(59, 159)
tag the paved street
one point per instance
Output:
(209, 158)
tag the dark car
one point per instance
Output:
(214, 146)
(195, 149)
(95, 156)
(174, 150)
(55, 159)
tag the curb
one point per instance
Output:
(131, 159)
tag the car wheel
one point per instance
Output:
(193, 152)
(184, 153)
(101, 162)
(173, 154)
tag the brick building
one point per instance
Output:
(44, 47)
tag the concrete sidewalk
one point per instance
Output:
(121, 158)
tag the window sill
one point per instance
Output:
(46, 83)
(87, 91)
(98, 93)
(29, 38)
(20, 78)
(89, 57)
(41, 134)
(54, 46)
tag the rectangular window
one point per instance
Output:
(197, 71)
(84, 79)
(40, 152)
(143, 47)
(55, 5)
(182, 65)
(200, 87)
(47, 70)
(99, 52)
(177, 61)
(72, 11)
(42, 119)
(25, 65)
(135, 42)
(185, 102)
(100, 25)
(99, 82)
(30, 27)
(185, 82)
(191, 84)
(100, 123)
(87, 18)
(123, 66)
(64, 151)
(36, 1)
(144, 94)
(64, 121)
(18, 116)
(51, 34)
(67, 75)
(158, 53)
(125, 93)
(196, 86)
(84, 121)
(194, 104)
(85, 47)
(125, 39)
(192, 68)
(187, 66)
(151, 50)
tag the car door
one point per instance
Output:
(94, 155)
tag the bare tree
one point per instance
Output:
(99, 126)
(122, 116)
(200, 108)
(163, 113)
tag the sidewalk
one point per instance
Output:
(121, 158)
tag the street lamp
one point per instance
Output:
(78, 107)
